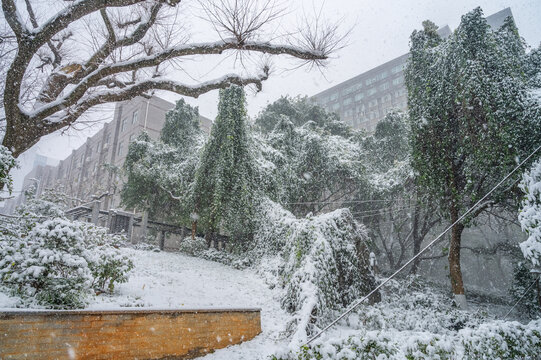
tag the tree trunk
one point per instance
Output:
(194, 229)
(416, 240)
(454, 260)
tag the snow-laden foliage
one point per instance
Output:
(305, 161)
(60, 262)
(193, 247)
(415, 322)
(323, 264)
(530, 214)
(299, 111)
(493, 340)
(7, 162)
(225, 190)
(53, 262)
(160, 174)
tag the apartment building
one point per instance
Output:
(364, 100)
(92, 169)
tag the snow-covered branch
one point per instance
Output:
(128, 45)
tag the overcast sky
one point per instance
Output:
(380, 32)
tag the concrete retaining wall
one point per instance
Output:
(119, 334)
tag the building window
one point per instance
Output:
(398, 68)
(398, 81)
(372, 91)
(123, 124)
(119, 152)
(335, 107)
(373, 103)
(107, 139)
(370, 81)
(348, 101)
(135, 117)
(133, 137)
(359, 96)
(384, 86)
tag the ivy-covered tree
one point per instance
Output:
(225, 188)
(471, 118)
(160, 174)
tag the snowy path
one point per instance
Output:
(172, 280)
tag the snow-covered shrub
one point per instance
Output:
(416, 321)
(410, 304)
(107, 264)
(58, 263)
(198, 247)
(193, 247)
(324, 267)
(502, 340)
(530, 214)
(7, 162)
(494, 340)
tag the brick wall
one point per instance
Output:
(130, 334)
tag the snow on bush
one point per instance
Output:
(58, 263)
(198, 247)
(323, 267)
(493, 340)
(415, 323)
(193, 247)
(530, 214)
(502, 340)
(7, 162)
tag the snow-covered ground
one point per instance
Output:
(173, 280)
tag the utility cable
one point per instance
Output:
(351, 308)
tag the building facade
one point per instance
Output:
(92, 170)
(364, 100)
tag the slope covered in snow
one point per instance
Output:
(173, 280)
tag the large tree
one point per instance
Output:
(60, 60)
(471, 119)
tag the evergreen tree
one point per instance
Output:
(160, 174)
(471, 118)
(225, 188)
(181, 127)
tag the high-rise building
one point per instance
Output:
(92, 169)
(364, 100)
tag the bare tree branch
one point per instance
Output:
(121, 49)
